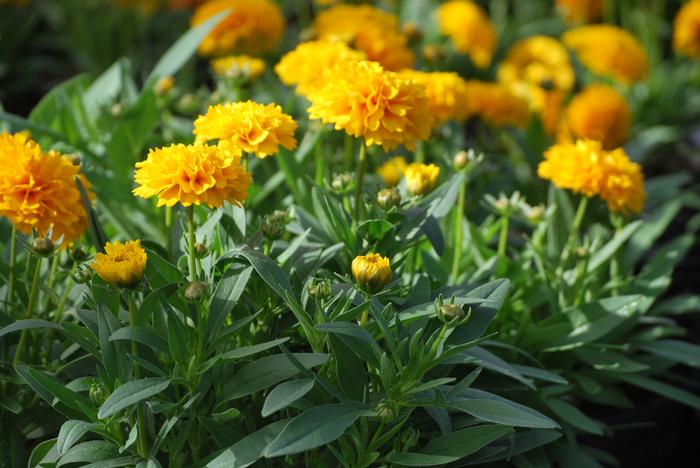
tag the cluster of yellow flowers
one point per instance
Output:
(470, 29)
(239, 66)
(446, 93)
(585, 167)
(496, 104)
(38, 190)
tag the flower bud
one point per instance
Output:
(164, 85)
(98, 393)
(387, 411)
(43, 246)
(78, 254)
(187, 104)
(461, 160)
(533, 214)
(320, 289)
(450, 312)
(195, 291)
(421, 179)
(273, 225)
(117, 109)
(82, 275)
(342, 182)
(388, 198)
(581, 252)
(372, 272)
(201, 250)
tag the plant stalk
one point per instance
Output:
(503, 237)
(13, 260)
(359, 188)
(141, 443)
(30, 309)
(191, 242)
(458, 234)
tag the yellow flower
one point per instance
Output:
(686, 29)
(446, 92)
(122, 265)
(470, 29)
(392, 170)
(38, 190)
(164, 85)
(247, 126)
(239, 66)
(598, 113)
(495, 104)
(421, 179)
(192, 174)
(586, 168)
(580, 11)
(364, 100)
(371, 30)
(304, 65)
(253, 26)
(608, 51)
(372, 272)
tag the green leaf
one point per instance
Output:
(89, 452)
(356, 338)
(45, 452)
(244, 351)
(131, 393)
(606, 252)
(141, 335)
(642, 240)
(115, 462)
(177, 340)
(675, 350)
(248, 450)
(285, 394)
(27, 325)
(466, 441)
(315, 427)
(500, 412)
(419, 459)
(661, 388)
(573, 416)
(55, 392)
(71, 432)
(225, 297)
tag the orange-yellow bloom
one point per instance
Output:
(238, 66)
(247, 126)
(123, 264)
(253, 26)
(470, 29)
(304, 65)
(686, 29)
(586, 168)
(446, 92)
(598, 113)
(38, 190)
(496, 104)
(192, 175)
(608, 50)
(392, 170)
(372, 271)
(364, 100)
(580, 11)
(421, 179)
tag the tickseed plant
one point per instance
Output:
(360, 241)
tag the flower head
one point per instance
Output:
(192, 175)
(580, 11)
(598, 113)
(392, 170)
(446, 92)
(372, 272)
(608, 51)
(247, 126)
(585, 167)
(364, 100)
(421, 179)
(123, 264)
(239, 66)
(253, 26)
(496, 104)
(686, 29)
(38, 190)
(304, 65)
(469, 28)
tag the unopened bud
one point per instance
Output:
(533, 214)
(581, 252)
(98, 393)
(388, 198)
(273, 226)
(78, 254)
(117, 109)
(342, 182)
(187, 104)
(502, 204)
(461, 160)
(195, 291)
(387, 411)
(164, 85)
(82, 275)
(451, 312)
(320, 289)
(200, 250)
(43, 246)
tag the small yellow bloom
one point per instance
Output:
(38, 190)
(470, 29)
(598, 113)
(580, 11)
(372, 272)
(686, 29)
(365, 100)
(247, 126)
(446, 92)
(123, 264)
(586, 168)
(421, 179)
(392, 170)
(164, 85)
(304, 65)
(192, 175)
(608, 50)
(239, 66)
(253, 27)
(495, 104)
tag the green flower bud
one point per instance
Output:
(320, 289)
(43, 246)
(78, 254)
(387, 411)
(98, 393)
(195, 291)
(342, 182)
(388, 198)
(82, 275)
(201, 250)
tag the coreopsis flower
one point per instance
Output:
(247, 126)
(192, 175)
(253, 26)
(580, 11)
(122, 264)
(373, 31)
(392, 170)
(238, 66)
(609, 51)
(372, 272)
(304, 65)
(584, 167)
(446, 92)
(496, 104)
(366, 101)
(38, 190)
(421, 179)
(686, 29)
(470, 29)
(598, 113)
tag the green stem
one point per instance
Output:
(13, 260)
(318, 159)
(141, 443)
(359, 188)
(573, 234)
(503, 238)
(190, 243)
(420, 152)
(51, 278)
(60, 308)
(169, 231)
(30, 309)
(347, 150)
(456, 259)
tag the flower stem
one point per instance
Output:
(60, 308)
(420, 152)
(13, 260)
(457, 256)
(359, 188)
(190, 243)
(573, 234)
(318, 159)
(503, 238)
(30, 309)
(141, 443)
(347, 151)
(169, 231)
